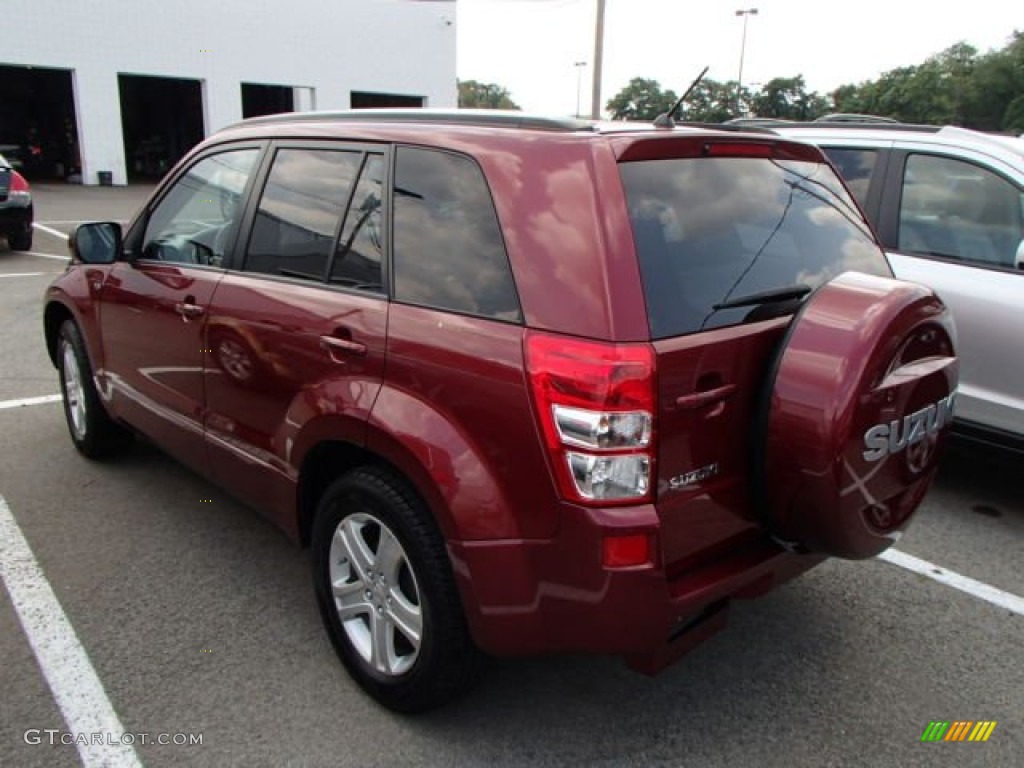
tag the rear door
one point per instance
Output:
(716, 226)
(955, 223)
(296, 334)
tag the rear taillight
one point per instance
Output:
(19, 186)
(595, 404)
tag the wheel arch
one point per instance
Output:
(54, 316)
(327, 460)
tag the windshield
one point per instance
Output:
(709, 231)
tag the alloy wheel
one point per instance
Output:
(74, 391)
(376, 594)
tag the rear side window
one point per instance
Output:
(448, 251)
(856, 167)
(300, 211)
(360, 252)
(713, 230)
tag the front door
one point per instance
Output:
(155, 304)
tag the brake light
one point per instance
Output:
(595, 405)
(19, 185)
(738, 149)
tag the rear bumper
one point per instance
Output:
(531, 597)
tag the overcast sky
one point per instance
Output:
(531, 46)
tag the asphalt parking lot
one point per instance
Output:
(198, 618)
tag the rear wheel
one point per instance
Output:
(22, 241)
(386, 593)
(92, 430)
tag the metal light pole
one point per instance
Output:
(595, 104)
(747, 13)
(579, 83)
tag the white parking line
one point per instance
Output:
(44, 255)
(50, 230)
(29, 401)
(64, 662)
(26, 274)
(951, 579)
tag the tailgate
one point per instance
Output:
(731, 233)
(708, 390)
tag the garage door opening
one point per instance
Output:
(162, 119)
(367, 100)
(38, 129)
(260, 100)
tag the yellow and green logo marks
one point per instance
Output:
(958, 730)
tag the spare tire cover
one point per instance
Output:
(860, 402)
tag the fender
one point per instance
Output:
(73, 293)
(464, 487)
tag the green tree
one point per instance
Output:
(787, 98)
(642, 99)
(1013, 119)
(997, 82)
(957, 85)
(712, 102)
(477, 95)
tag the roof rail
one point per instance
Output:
(733, 126)
(852, 117)
(1002, 141)
(758, 122)
(493, 118)
(856, 126)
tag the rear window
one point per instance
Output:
(714, 230)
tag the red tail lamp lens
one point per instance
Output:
(626, 551)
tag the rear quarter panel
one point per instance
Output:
(454, 415)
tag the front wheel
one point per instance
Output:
(92, 430)
(386, 593)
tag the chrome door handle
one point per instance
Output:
(334, 343)
(188, 311)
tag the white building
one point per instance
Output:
(122, 88)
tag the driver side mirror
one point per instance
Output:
(1019, 258)
(96, 243)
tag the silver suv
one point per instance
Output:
(948, 206)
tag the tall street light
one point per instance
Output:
(747, 13)
(595, 101)
(579, 83)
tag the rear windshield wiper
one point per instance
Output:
(789, 293)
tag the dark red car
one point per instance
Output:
(523, 385)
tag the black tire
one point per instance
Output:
(366, 505)
(21, 241)
(92, 430)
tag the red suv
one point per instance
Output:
(523, 385)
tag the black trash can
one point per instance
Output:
(106, 178)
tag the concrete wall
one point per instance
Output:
(332, 47)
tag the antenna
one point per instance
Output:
(664, 120)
